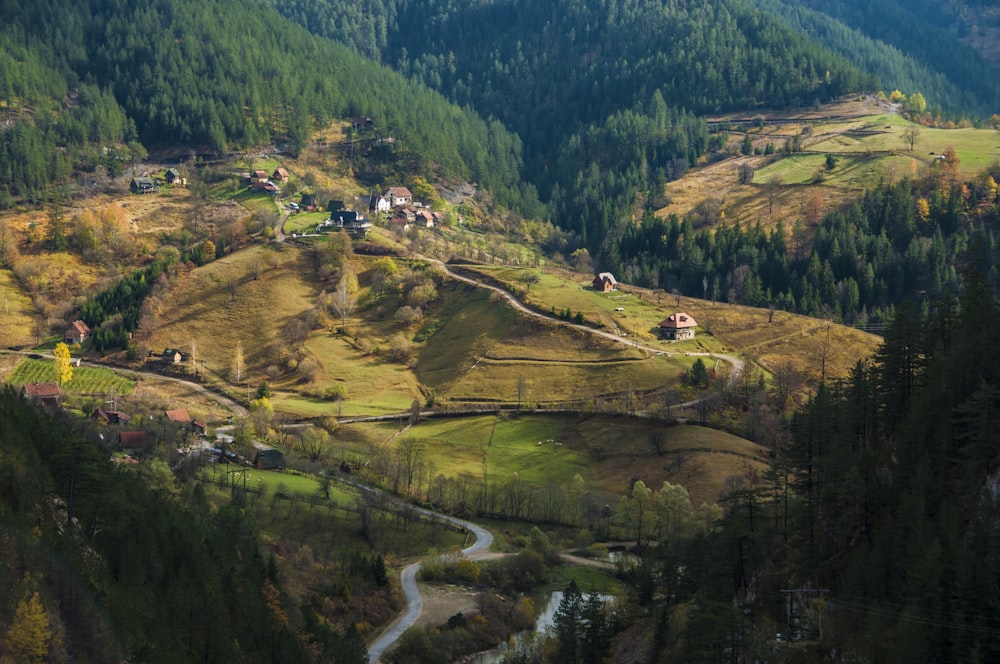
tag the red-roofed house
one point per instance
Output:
(76, 333)
(179, 415)
(47, 394)
(678, 327)
(258, 176)
(605, 282)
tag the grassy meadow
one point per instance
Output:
(374, 387)
(222, 304)
(607, 452)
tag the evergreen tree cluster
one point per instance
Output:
(114, 313)
(897, 469)
(123, 571)
(859, 263)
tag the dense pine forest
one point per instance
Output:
(117, 79)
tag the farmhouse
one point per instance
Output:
(172, 356)
(258, 177)
(142, 185)
(179, 415)
(424, 218)
(76, 333)
(678, 327)
(362, 123)
(269, 460)
(399, 196)
(109, 416)
(172, 175)
(280, 174)
(46, 394)
(353, 222)
(379, 203)
(605, 282)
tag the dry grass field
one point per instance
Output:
(17, 319)
(246, 297)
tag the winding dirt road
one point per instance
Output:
(408, 579)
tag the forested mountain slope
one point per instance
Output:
(83, 83)
(557, 70)
(905, 44)
(607, 96)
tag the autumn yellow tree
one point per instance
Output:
(29, 635)
(923, 209)
(916, 103)
(63, 363)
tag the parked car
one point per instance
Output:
(293, 206)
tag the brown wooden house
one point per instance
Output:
(605, 282)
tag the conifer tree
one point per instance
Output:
(29, 634)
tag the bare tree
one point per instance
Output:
(409, 451)
(773, 188)
(343, 303)
(910, 136)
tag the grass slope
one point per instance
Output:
(17, 321)
(866, 140)
(771, 338)
(607, 452)
(222, 304)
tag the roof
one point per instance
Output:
(678, 321)
(400, 192)
(179, 415)
(607, 276)
(281, 172)
(79, 326)
(269, 459)
(110, 416)
(261, 175)
(132, 440)
(173, 171)
(42, 390)
(142, 182)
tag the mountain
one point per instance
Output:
(607, 96)
(83, 84)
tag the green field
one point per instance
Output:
(86, 380)
(374, 386)
(701, 459)
(304, 222)
(256, 201)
